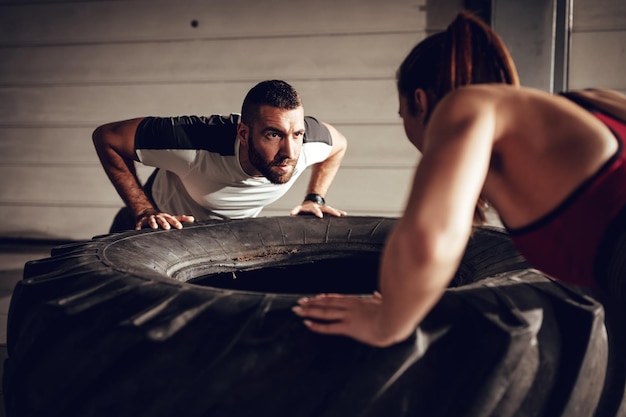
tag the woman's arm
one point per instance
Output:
(427, 244)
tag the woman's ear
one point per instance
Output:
(421, 101)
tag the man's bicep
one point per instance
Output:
(120, 136)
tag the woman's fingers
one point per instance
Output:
(325, 300)
(319, 312)
(340, 301)
(334, 328)
(334, 307)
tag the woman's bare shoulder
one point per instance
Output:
(498, 98)
(504, 106)
(500, 94)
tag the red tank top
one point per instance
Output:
(564, 242)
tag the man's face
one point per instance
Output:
(274, 143)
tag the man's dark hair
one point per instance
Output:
(275, 93)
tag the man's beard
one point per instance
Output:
(265, 167)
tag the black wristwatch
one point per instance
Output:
(316, 198)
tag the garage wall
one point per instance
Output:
(69, 66)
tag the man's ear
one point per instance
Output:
(242, 132)
(421, 101)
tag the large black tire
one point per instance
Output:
(198, 322)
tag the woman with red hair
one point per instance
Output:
(553, 170)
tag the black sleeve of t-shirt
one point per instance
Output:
(214, 134)
(315, 131)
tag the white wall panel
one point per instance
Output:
(375, 191)
(50, 145)
(599, 15)
(335, 101)
(378, 146)
(55, 222)
(73, 185)
(166, 20)
(598, 59)
(598, 47)
(298, 58)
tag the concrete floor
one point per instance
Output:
(13, 255)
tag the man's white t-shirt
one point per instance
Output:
(199, 171)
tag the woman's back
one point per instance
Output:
(556, 176)
(544, 147)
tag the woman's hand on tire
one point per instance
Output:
(358, 317)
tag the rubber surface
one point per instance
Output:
(198, 322)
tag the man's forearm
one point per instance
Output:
(129, 188)
(322, 176)
(116, 155)
(323, 173)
